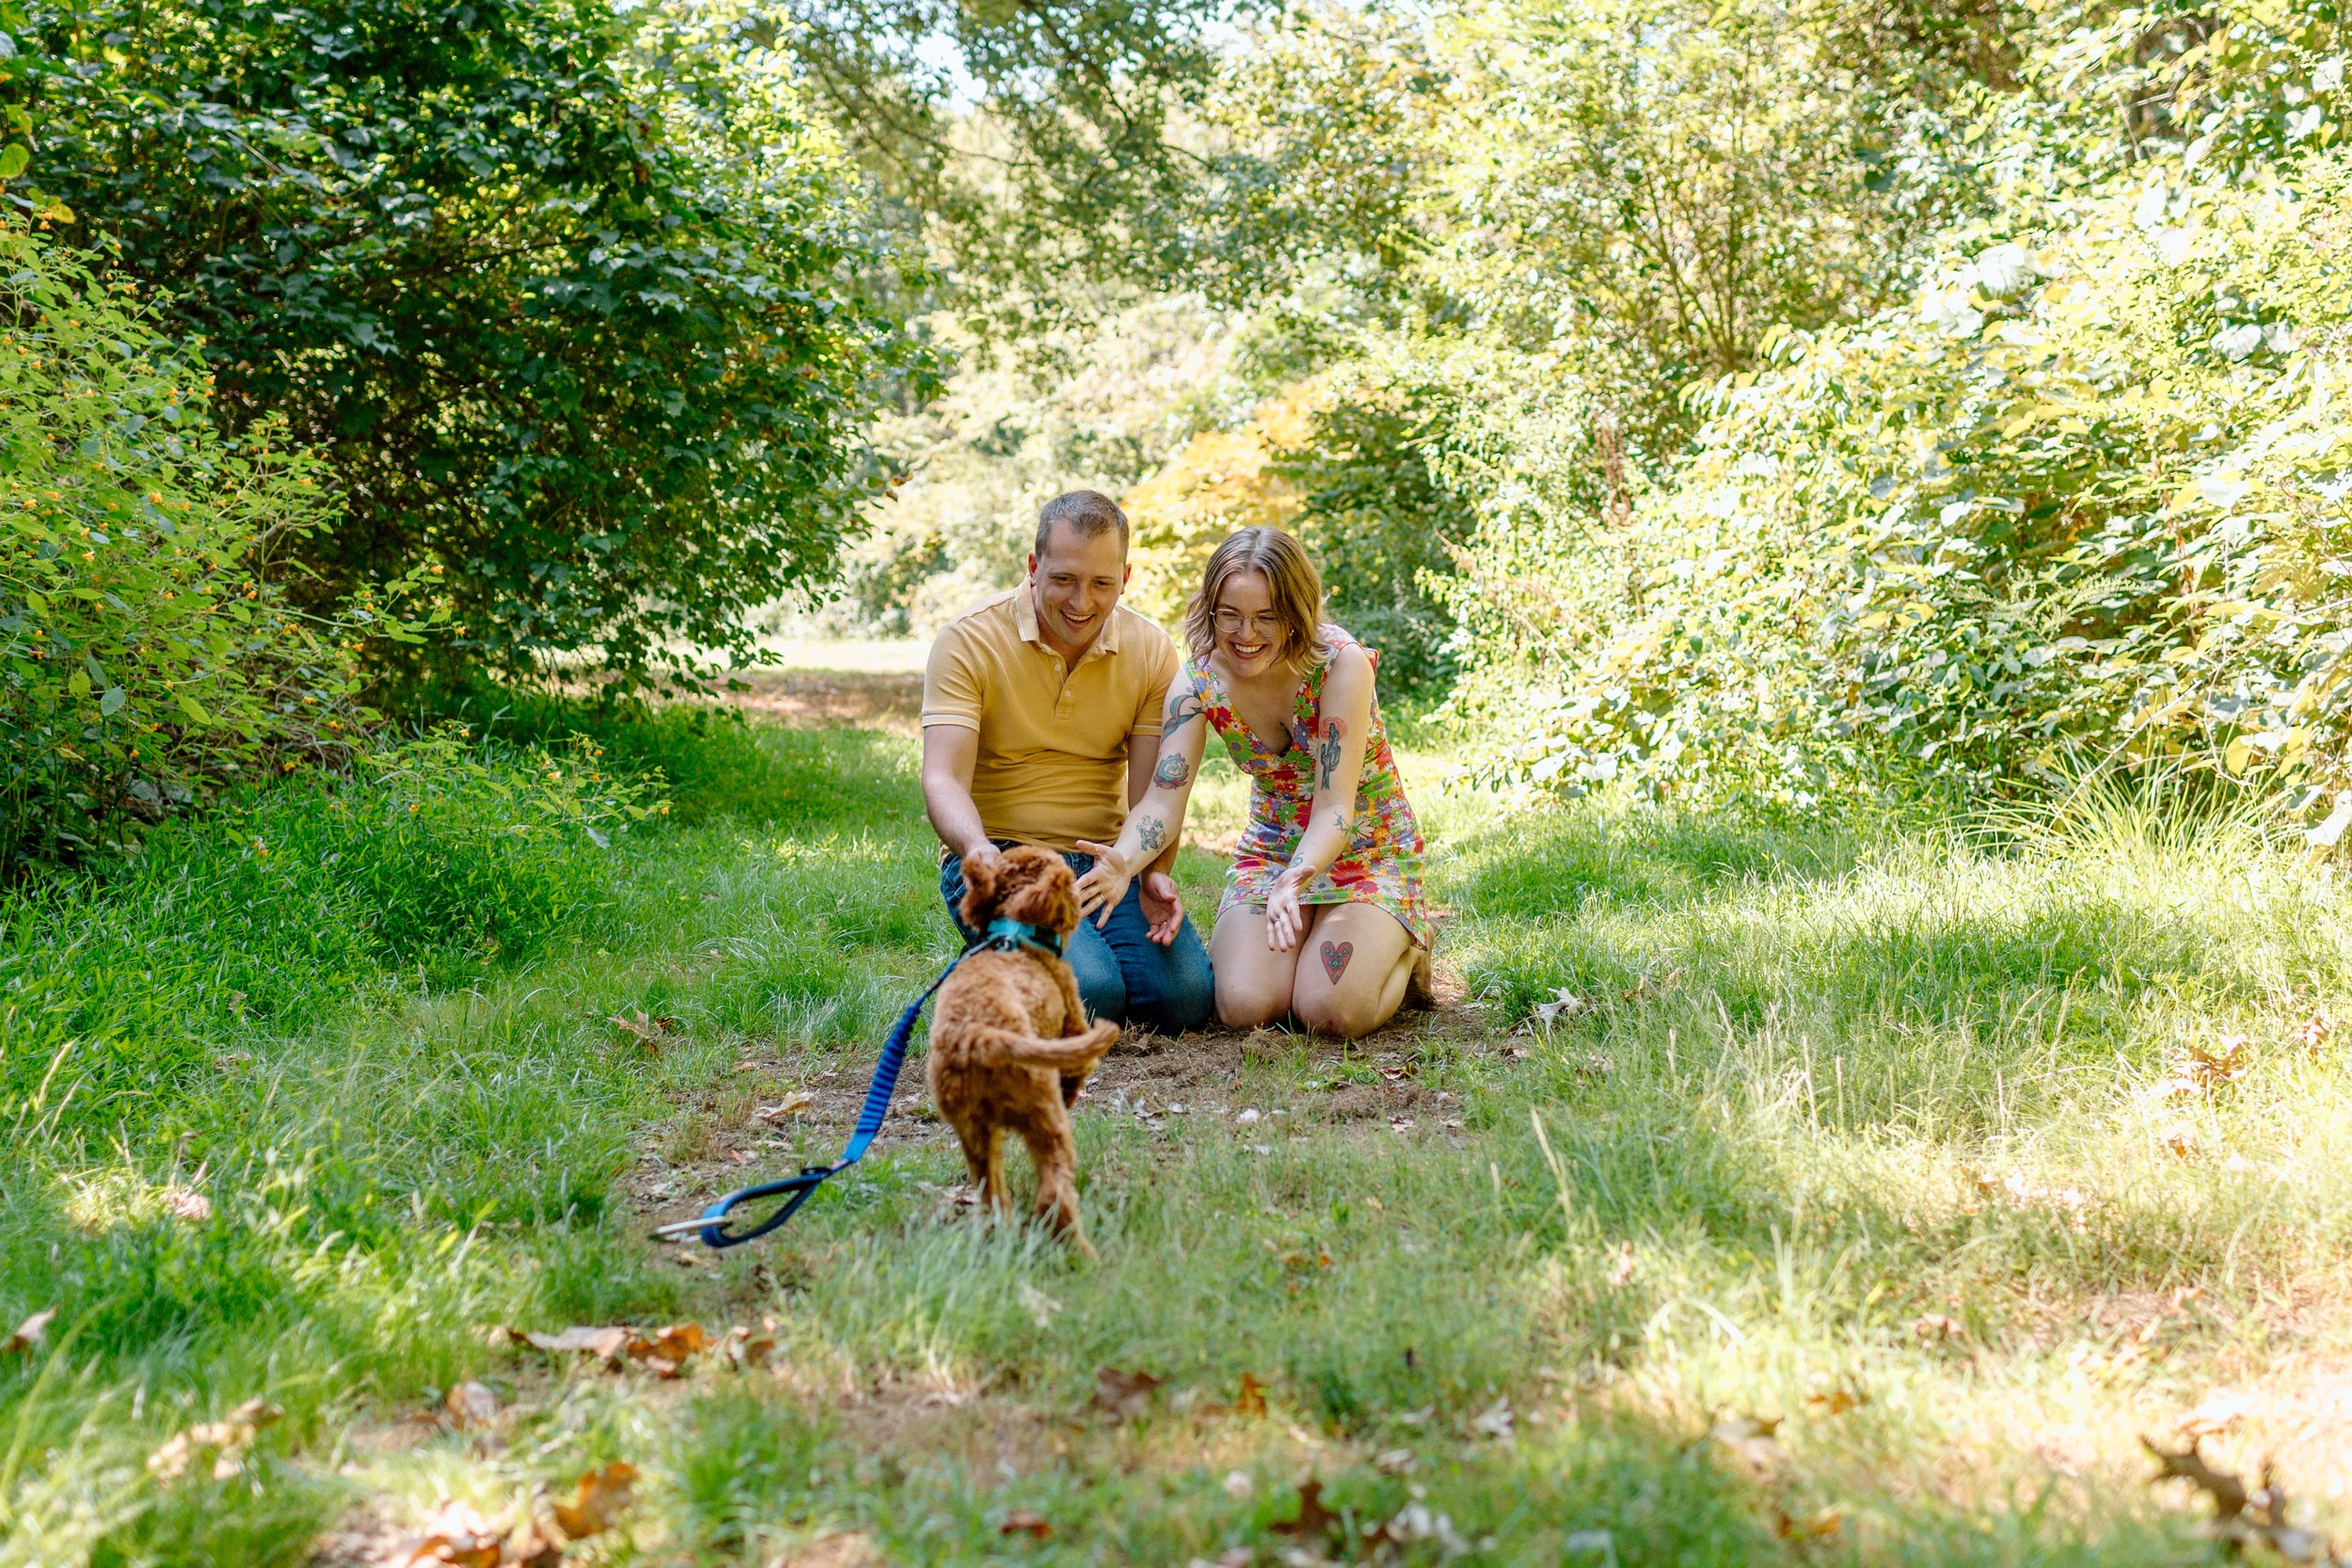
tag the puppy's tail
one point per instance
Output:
(1076, 1054)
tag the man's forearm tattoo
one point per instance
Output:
(1152, 832)
(1329, 753)
(1173, 768)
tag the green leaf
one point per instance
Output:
(194, 709)
(14, 159)
(111, 702)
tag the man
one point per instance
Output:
(1041, 725)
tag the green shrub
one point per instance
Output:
(433, 857)
(144, 644)
(2082, 499)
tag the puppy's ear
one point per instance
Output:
(980, 891)
(1048, 899)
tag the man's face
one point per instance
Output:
(1077, 583)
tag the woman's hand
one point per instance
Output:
(1285, 921)
(1104, 886)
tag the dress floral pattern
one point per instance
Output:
(1382, 862)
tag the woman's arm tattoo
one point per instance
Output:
(1173, 768)
(1152, 832)
(1183, 709)
(1329, 753)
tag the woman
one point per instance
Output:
(1330, 865)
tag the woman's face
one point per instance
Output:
(1248, 634)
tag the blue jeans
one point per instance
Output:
(1123, 975)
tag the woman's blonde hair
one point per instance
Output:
(1291, 582)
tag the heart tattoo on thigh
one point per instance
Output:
(1335, 957)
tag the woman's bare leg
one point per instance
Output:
(1351, 978)
(1253, 983)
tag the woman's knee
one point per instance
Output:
(1343, 1015)
(1249, 1007)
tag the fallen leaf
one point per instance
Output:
(2314, 1034)
(1824, 1524)
(1251, 1400)
(2181, 1142)
(470, 1405)
(647, 1031)
(604, 1344)
(601, 1497)
(1748, 1439)
(1496, 1420)
(454, 1534)
(1313, 1518)
(1564, 1002)
(27, 1333)
(1838, 1399)
(1021, 1522)
(2217, 1414)
(1124, 1395)
(186, 1203)
(1395, 1461)
(1621, 1266)
(789, 1106)
(227, 1438)
(1935, 1328)
(745, 1348)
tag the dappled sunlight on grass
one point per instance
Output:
(1903, 1141)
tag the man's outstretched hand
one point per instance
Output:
(1163, 905)
(1103, 886)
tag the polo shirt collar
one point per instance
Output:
(1024, 621)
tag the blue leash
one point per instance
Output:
(1002, 936)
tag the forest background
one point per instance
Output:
(1780, 403)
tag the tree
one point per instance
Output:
(588, 319)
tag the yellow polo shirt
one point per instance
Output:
(1053, 761)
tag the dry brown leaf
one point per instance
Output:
(647, 1031)
(186, 1203)
(1314, 1520)
(605, 1343)
(2315, 1032)
(745, 1348)
(600, 1498)
(1021, 1522)
(1825, 1524)
(1124, 1395)
(472, 1405)
(2218, 1413)
(1251, 1400)
(673, 1344)
(227, 1439)
(1748, 1439)
(454, 1534)
(1621, 1266)
(786, 1109)
(535, 1544)
(1838, 1399)
(27, 1333)
(1934, 1328)
(841, 1549)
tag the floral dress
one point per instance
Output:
(1382, 862)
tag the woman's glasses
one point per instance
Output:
(1230, 622)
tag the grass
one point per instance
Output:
(1966, 1156)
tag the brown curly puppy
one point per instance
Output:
(1009, 1041)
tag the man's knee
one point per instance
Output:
(1101, 987)
(1184, 986)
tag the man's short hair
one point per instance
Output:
(1089, 511)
